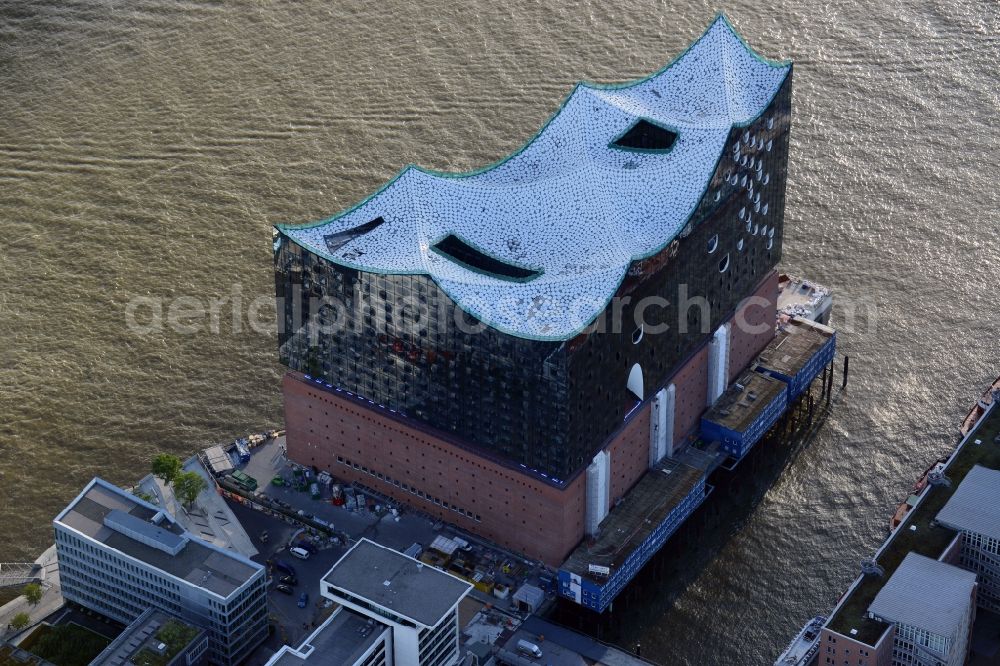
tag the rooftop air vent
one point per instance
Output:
(870, 567)
(646, 136)
(937, 478)
(144, 532)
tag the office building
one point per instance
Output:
(119, 556)
(915, 600)
(393, 610)
(932, 606)
(345, 638)
(974, 512)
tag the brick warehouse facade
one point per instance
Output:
(439, 474)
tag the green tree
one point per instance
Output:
(33, 592)
(166, 467)
(187, 487)
(69, 645)
(20, 621)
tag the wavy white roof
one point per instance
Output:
(566, 204)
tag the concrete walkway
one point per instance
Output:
(51, 601)
(208, 518)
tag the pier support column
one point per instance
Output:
(661, 425)
(718, 363)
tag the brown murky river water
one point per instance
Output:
(147, 146)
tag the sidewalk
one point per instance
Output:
(51, 601)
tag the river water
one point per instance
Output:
(147, 146)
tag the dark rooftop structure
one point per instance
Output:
(134, 528)
(920, 532)
(339, 641)
(397, 582)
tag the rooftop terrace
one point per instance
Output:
(125, 523)
(138, 643)
(628, 524)
(926, 539)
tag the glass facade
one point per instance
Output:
(399, 341)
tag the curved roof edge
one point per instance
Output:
(719, 17)
(469, 305)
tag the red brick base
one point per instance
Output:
(753, 326)
(345, 437)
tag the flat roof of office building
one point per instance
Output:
(339, 641)
(397, 582)
(142, 634)
(125, 523)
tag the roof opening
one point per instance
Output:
(461, 252)
(338, 240)
(645, 135)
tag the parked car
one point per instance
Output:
(289, 580)
(303, 599)
(300, 553)
(284, 588)
(282, 565)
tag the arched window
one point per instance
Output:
(724, 264)
(635, 381)
(713, 243)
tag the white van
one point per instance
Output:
(300, 553)
(529, 649)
